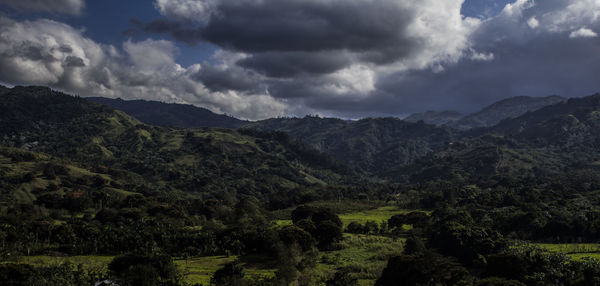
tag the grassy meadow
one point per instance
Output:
(576, 251)
(357, 212)
(365, 256)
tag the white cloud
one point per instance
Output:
(516, 9)
(46, 52)
(73, 7)
(482, 56)
(583, 33)
(533, 23)
(151, 56)
(571, 14)
(443, 31)
(356, 79)
(195, 10)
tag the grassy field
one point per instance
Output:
(365, 256)
(576, 251)
(200, 269)
(98, 264)
(195, 270)
(378, 215)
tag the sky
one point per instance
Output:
(257, 59)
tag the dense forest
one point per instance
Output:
(288, 201)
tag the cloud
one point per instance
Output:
(482, 57)
(526, 61)
(583, 33)
(46, 52)
(222, 79)
(180, 31)
(315, 52)
(347, 58)
(278, 35)
(364, 57)
(72, 7)
(533, 23)
(291, 64)
(196, 10)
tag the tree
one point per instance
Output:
(322, 223)
(140, 270)
(232, 274)
(426, 268)
(414, 245)
(355, 227)
(291, 235)
(17, 274)
(328, 233)
(342, 278)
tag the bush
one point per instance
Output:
(232, 274)
(139, 270)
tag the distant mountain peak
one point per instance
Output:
(511, 107)
(435, 117)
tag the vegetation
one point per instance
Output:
(89, 194)
(170, 115)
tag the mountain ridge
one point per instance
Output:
(170, 114)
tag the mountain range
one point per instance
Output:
(435, 117)
(108, 150)
(488, 116)
(300, 151)
(189, 116)
(170, 115)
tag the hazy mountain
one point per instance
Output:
(170, 115)
(556, 140)
(571, 124)
(372, 144)
(504, 109)
(435, 117)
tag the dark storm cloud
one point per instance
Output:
(515, 59)
(216, 79)
(546, 65)
(286, 38)
(66, 49)
(72, 61)
(266, 26)
(290, 64)
(181, 31)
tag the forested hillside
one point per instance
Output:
(371, 145)
(205, 161)
(513, 204)
(435, 117)
(170, 115)
(504, 109)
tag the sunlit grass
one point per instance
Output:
(577, 251)
(378, 215)
(365, 256)
(194, 270)
(201, 269)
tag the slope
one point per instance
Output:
(204, 161)
(170, 115)
(371, 145)
(504, 109)
(437, 118)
